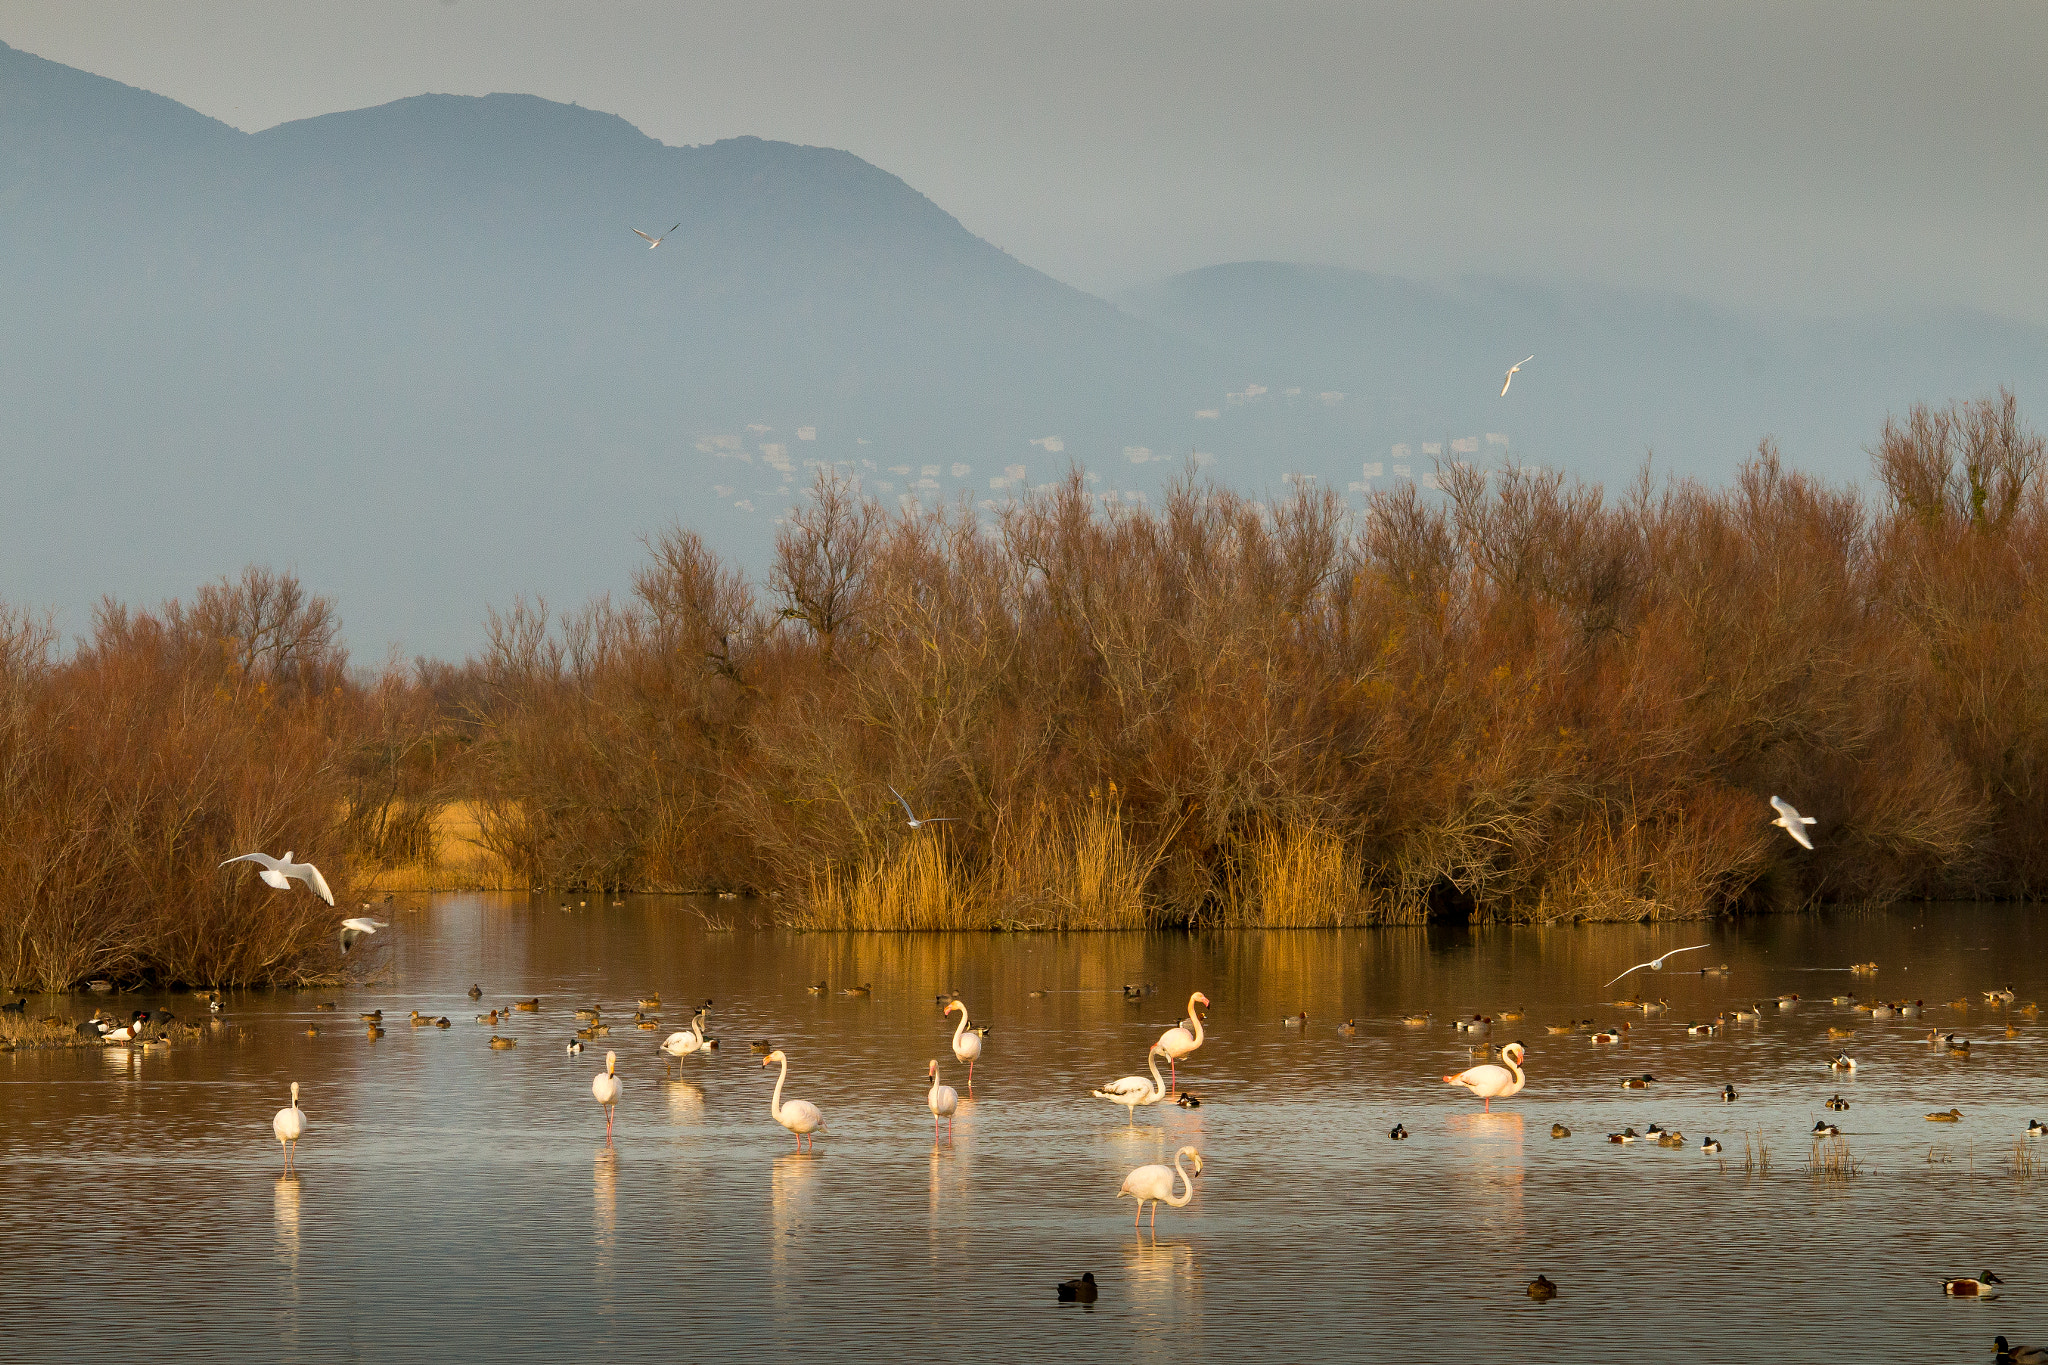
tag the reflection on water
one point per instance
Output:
(443, 1211)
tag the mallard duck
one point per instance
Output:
(1349, 1028)
(1625, 1135)
(1399, 1133)
(1711, 1147)
(1959, 1004)
(2036, 1128)
(1836, 1101)
(2030, 1008)
(1641, 1082)
(1728, 1095)
(501, 1043)
(528, 1005)
(574, 1047)
(1842, 1062)
(1959, 1047)
(1952, 1116)
(1077, 1291)
(2019, 1355)
(1558, 1130)
(858, 990)
(1984, 1286)
(1822, 1128)
(1542, 1289)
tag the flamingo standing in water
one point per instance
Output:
(290, 1126)
(684, 1042)
(1155, 1184)
(942, 1100)
(966, 1046)
(1132, 1091)
(1490, 1082)
(1177, 1042)
(605, 1087)
(799, 1116)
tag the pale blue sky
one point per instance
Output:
(1833, 156)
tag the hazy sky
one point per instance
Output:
(1831, 155)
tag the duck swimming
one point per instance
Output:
(1638, 1082)
(1837, 1102)
(1985, 1286)
(1078, 1291)
(2037, 1129)
(1541, 1289)
(1728, 1095)
(1711, 1147)
(1399, 1134)
(1842, 1062)
(1952, 1116)
(1625, 1135)
(1558, 1130)
(1821, 1128)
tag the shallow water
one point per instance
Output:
(461, 1203)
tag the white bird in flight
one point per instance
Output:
(916, 823)
(1511, 375)
(653, 242)
(1656, 964)
(353, 929)
(1792, 822)
(278, 872)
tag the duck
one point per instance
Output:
(1655, 1006)
(1398, 1134)
(1912, 1010)
(1638, 1082)
(1881, 1010)
(374, 1031)
(1188, 1099)
(1655, 1130)
(858, 990)
(1674, 1138)
(761, 1047)
(1560, 1028)
(1834, 1032)
(2012, 1031)
(312, 1030)
(1609, 1035)
(1697, 1030)
(1959, 1004)
(1952, 1116)
(1035, 995)
(1136, 992)
(574, 1046)
(476, 992)
(529, 1006)
(502, 1043)
(1836, 1101)
(373, 1017)
(648, 1024)
(2036, 1128)
(443, 1022)
(1478, 1023)
(2002, 996)
(1728, 1095)
(652, 1002)
(1417, 1020)
(418, 1019)
(325, 1005)
(1558, 1130)
(1349, 1028)
(1786, 1002)
(1843, 999)
(1711, 1147)
(1721, 970)
(2019, 1355)
(589, 1011)
(1750, 1016)
(1842, 1062)
(1077, 1291)
(1625, 1135)
(1515, 1014)
(818, 989)
(1959, 1047)
(1296, 1020)
(1984, 1286)
(1541, 1289)
(1822, 1128)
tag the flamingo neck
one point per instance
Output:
(775, 1104)
(1158, 1084)
(1520, 1079)
(1195, 1016)
(962, 1028)
(1187, 1194)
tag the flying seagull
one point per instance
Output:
(1511, 375)
(916, 823)
(353, 929)
(1793, 822)
(653, 242)
(278, 872)
(1655, 964)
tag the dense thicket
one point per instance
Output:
(1524, 698)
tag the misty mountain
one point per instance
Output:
(415, 353)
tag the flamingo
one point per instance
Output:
(604, 1088)
(942, 1100)
(1177, 1042)
(653, 242)
(1490, 1082)
(1132, 1091)
(799, 1116)
(290, 1126)
(1155, 1184)
(683, 1042)
(966, 1046)
(278, 872)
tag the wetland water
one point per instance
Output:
(460, 1203)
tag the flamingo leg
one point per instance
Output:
(970, 1075)
(1489, 1104)
(1173, 1072)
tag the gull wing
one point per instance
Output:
(263, 859)
(310, 875)
(641, 235)
(901, 802)
(1638, 967)
(1505, 382)
(664, 236)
